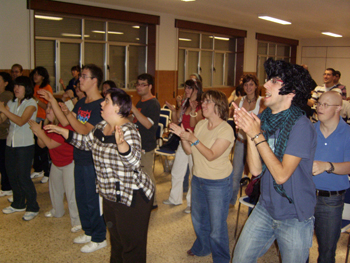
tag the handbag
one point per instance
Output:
(253, 189)
(172, 143)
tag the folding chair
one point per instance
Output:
(233, 125)
(166, 112)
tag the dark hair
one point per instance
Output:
(76, 68)
(42, 72)
(96, 72)
(240, 90)
(147, 77)
(220, 100)
(7, 78)
(296, 80)
(331, 69)
(337, 72)
(27, 84)
(17, 66)
(198, 77)
(110, 83)
(194, 85)
(122, 99)
(250, 77)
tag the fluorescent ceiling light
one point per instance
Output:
(184, 39)
(188, 0)
(135, 26)
(137, 39)
(109, 32)
(73, 35)
(275, 20)
(221, 38)
(48, 17)
(331, 34)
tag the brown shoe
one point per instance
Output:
(190, 253)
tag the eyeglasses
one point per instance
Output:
(325, 105)
(85, 77)
(274, 80)
(206, 101)
(142, 85)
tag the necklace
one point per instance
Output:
(250, 101)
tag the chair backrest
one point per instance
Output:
(166, 112)
(164, 119)
(346, 211)
(160, 130)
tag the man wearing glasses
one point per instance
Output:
(146, 115)
(281, 148)
(330, 170)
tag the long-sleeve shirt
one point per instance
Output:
(118, 174)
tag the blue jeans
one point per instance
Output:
(260, 231)
(328, 218)
(88, 202)
(210, 204)
(238, 167)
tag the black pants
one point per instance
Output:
(41, 159)
(128, 227)
(5, 183)
(18, 166)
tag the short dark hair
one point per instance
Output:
(76, 68)
(331, 69)
(110, 83)
(42, 72)
(17, 66)
(240, 90)
(337, 72)
(296, 79)
(27, 84)
(250, 77)
(220, 100)
(7, 78)
(122, 99)
(96, 72)
(146, 76)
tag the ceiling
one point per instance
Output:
(308, 17)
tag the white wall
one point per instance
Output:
(250, 52)
(15, 44)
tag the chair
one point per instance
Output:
(164, 119)
(166, 112)
(346, 221)
(233, 125)
(163, 152)
(159, 135)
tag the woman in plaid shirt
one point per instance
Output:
(126, 190)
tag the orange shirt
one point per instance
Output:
(41, 112)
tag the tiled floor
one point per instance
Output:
(170, 234)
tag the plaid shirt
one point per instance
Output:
(118, 174)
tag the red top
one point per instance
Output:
(63, 154)
(186, 120)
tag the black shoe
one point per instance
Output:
(154, 207)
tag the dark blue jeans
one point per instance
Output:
(328, 217)
(88, 202)
(210, 205)
(18, 166)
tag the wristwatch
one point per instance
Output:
(331, 170)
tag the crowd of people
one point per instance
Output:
(96, 144)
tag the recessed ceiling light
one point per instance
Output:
(135, 26)
(188, 0)
(331, 34)
(48, 17)
(275, 20)
(184, 39)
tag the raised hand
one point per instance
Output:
(179, 100)
(248, 122)
(45, 95)
(170, 106)
(64, 108)
(119, 135)
(176, 129)
(35, 127)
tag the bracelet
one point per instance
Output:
(195, 143)
(194, 115)
(256, 136)
(260, 142)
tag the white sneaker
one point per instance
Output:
(168, 202)
(29, 215)
(37, 174)
(3, 193)
(48, 214)
(187, 210)
(93, 246)
(76, 228)
(44, 180)
(10, 210)
(82, 239)
(10, 199)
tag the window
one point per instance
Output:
(120, 49)
(210, 55)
